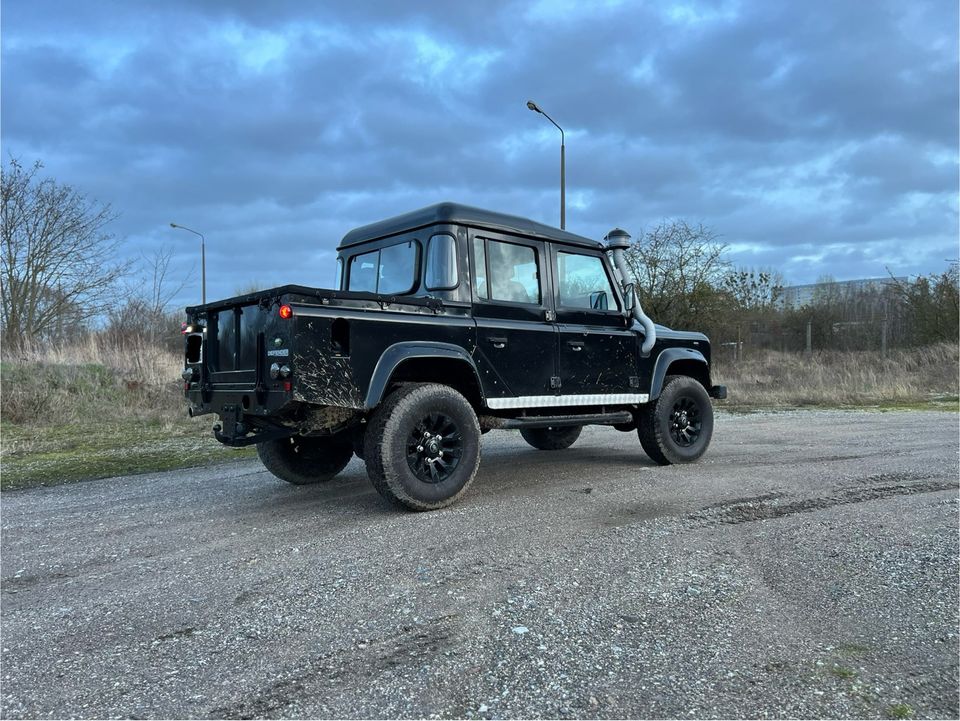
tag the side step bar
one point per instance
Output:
(589, 419)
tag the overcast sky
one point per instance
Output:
(815, 137)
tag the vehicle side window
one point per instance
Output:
(441, 272)
(480, 270)
(583, 282)
(513, 273)
(364, 271)
(391, 270)
(398, 268)
(339, 281)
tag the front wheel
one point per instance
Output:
(677, 426)
(551, 439)
(422, 446)
(304, 460)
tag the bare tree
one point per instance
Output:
(679, 269)
(58, 261)
(145, 315)
(932, 305)
(754, 290)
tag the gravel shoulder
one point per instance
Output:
(807, 567)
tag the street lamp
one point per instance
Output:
(563, 174)
(203, 261)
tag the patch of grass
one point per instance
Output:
(35, 456)
(899, 711)
(842, 672)
(92, 411)
(936, 403)
(852, 649)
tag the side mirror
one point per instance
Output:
(598, 300)
(629, 298)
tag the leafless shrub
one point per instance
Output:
(58, 262)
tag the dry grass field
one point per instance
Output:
(915, 378)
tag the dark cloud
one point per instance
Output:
(813, 137)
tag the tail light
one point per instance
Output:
(286, 312)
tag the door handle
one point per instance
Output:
(498, 342)
(575, 345)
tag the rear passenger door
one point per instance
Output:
(516, 350)
(598, 353)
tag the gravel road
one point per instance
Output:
(808, 566)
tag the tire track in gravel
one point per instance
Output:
(768, 506)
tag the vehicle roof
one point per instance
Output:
(455, 213)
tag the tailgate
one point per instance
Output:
(236, 344)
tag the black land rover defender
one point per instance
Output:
(446, 322)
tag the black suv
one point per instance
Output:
(447, 322)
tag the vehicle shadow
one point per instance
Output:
(503, 471)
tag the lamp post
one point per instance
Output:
(563, 173)
(203, 260)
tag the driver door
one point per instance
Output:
(598, 353)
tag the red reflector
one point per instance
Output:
(186, 386)
(286, 312)
(288, 386)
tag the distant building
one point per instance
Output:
(795, 296)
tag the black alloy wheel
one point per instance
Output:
(434, 448)
(685, 421)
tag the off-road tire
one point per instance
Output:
(304, 460)
(551, 439)
(388, 443)
(656, 419)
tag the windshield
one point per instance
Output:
(390, 270)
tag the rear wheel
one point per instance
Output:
(677, 426)
(303, 460)
(422, 446)
(551, 439)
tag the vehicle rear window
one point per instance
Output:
(389, 270)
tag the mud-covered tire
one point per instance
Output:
(551, 439)
(416, 479)
(304, 460)
(678, 425)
